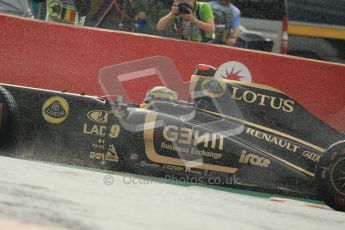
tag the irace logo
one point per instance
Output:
(254, 160)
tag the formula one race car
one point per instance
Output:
(228, 129)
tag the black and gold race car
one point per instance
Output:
(230, 133)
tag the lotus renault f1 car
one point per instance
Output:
(228, 129)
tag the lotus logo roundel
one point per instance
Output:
(55, 110)
(213, 88)
(233, 70)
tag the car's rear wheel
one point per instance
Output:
(8, 109)
(330, 176)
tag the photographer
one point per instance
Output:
(193, 20)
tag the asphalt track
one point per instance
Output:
(41, 196)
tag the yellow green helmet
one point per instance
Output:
(160, 93)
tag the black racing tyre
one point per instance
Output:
(8, 111)
(330, 176)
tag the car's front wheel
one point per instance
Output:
(330, 176)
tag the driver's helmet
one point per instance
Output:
(160, 93)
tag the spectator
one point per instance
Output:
(67, 11)
(193, 20)
(228, 15)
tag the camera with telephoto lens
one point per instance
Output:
(184, 8)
